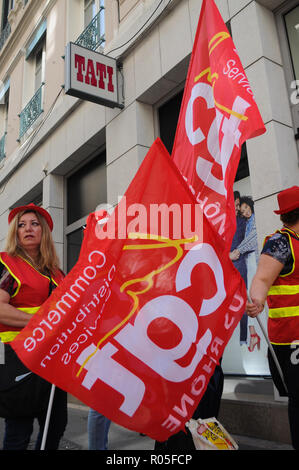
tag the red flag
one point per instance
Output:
(137, 327)
(218, 114)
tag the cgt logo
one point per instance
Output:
(101, 364)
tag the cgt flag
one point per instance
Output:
(137, 327)
(218, 114)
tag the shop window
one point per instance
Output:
(288, 28)
(74, 242)
(168, 119)
(292, 28)
(86, 189)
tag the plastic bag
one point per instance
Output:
(209, 434)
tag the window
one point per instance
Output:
(4, 105)
(92, 29)
(86, 189)
(5, 26)
(38, 68)
(89, 11)
(74, 242)
(288, 28)
(292, 27)
(91, 8)
(5, 10)
(33, 79)
(168, 119)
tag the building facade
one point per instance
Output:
(71, 155)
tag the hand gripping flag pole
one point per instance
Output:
(48, 417)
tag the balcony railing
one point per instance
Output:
(94, 34)
(31, 112)
(2, 147)
(4, 35)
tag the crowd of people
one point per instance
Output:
(29, 271)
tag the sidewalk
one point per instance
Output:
(76, 437)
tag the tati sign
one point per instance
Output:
(91, 76)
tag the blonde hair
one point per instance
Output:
(48, 259)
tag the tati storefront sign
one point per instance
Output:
(91, 76)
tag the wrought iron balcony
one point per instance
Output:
(31, 112)
(2, 147)
(94, 34)
(4, 35)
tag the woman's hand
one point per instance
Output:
(254, 308)
(10, 315)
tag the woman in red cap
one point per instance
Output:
(277, 281)
(29, 271)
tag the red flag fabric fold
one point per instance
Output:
(218, 114)
(138, 326)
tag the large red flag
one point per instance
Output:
(218, 114)
(138, 326)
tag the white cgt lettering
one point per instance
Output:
(201, 90)
(229, 128)
(163, 361)
(102, 366)
(203, 253)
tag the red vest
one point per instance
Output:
(32, 290)
(283, 300)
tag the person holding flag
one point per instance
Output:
(277, 281)
(29, 272)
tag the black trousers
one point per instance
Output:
(288, 358)
(18, 431)
(21, 403)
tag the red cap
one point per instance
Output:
(288, 200)
(33, 208)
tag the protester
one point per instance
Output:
(29, 271)
(98, 429)
(277, 281)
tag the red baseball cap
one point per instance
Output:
(33, 208)
(288, 200)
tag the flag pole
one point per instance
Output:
(272, 352)
(45, 433)
(270, 348)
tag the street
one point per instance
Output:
(121, 439)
